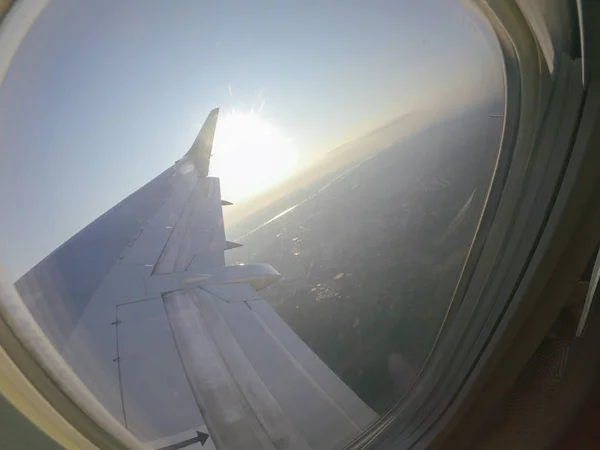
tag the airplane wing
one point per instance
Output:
(175, 344)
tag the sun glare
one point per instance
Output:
(249, 155)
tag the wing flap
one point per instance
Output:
(213, 386)
(276, 424)
(319, 419)
(341, 394)
(295, 404)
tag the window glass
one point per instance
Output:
(356, 143)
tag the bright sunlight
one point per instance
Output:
(249, 155)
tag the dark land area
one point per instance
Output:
(371, 251)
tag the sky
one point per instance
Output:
(103, 96)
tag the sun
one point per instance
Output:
(249, 155)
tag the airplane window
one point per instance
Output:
(284, 281)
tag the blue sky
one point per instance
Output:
(103, 96)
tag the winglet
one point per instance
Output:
(200, 151)
(225, 203)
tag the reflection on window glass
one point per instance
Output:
(356, 145)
